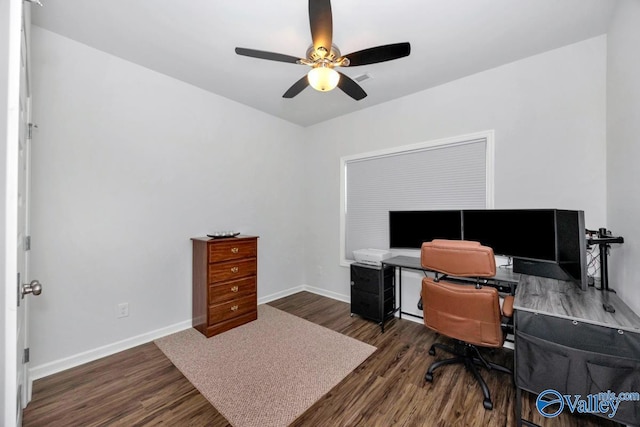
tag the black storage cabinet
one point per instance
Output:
(373, 294)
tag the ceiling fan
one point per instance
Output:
(323, 56)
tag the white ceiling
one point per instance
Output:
(194, 41)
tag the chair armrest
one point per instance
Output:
(507, 306)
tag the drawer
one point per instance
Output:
(366, 305)
(218, 328)
(232, 270)
(232, 290)
(371, 279)
(234, 308)
(365, 279)
(225, 250)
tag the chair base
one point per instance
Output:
(470, 356)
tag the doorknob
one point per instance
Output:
(35, 287)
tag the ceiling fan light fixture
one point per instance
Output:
(323, 78)
(323, 56)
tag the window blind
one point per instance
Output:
(433, 177)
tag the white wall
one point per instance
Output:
(623, 150)
(548, 113)
(128, 164)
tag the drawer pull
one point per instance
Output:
(234, 289)
(234, 250)
(234, 308)
(234, 269)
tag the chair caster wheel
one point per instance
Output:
(428, 377)
(432, 351)
(487, 404)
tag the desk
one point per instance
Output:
(566, 341)
(504, 280)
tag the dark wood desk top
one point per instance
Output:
(558, 298)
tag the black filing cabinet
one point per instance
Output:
(373, 292)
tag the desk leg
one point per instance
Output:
(399, 292)
(519, 421)
(381, 299)
(518, 407)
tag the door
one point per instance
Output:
(18, 130)
(23, 238)
(10, 24)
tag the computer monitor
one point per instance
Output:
(409, 229)
(543, 242)
(525, 233)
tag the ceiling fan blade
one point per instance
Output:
(261, 54)
(379, 54)
(297, 87)
(350, 87)
(321, 23)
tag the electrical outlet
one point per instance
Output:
(122, 310)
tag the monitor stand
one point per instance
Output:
(604, 241)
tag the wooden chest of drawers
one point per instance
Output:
(224, 283)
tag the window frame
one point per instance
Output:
(488, 136)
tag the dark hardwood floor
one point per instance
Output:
(140, 386)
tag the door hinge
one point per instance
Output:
(25, 356)
(30, 131)
(19, 289)
(27, 243)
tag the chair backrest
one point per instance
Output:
(461, 311)
(462, 258)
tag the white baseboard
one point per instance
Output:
(60, 365)
(328, 294)
(281, 294)
(411, 318)
(50, 368)
(304, 288)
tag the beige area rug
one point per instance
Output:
(267, 372)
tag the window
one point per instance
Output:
(453, 173)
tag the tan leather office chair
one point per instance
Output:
(470, 314)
